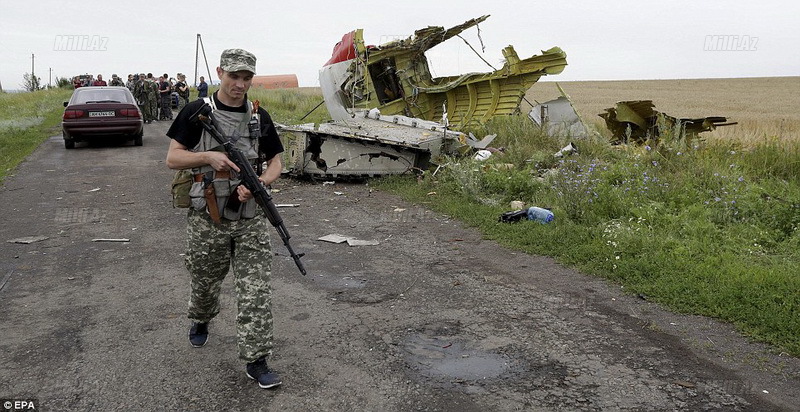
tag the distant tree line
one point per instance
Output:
(32, 83)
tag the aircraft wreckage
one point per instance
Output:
(636, 121)
(390, 115)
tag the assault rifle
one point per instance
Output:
(205, 117)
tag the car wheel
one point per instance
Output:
(137, 141)
(69, 143)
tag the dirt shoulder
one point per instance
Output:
(432, 317)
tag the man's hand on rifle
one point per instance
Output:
(219, 161)
(244, 193)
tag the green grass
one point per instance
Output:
(702, 228)
(26, 120)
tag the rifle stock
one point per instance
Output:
(250, 181)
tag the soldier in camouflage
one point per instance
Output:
(116, 81)
(152, 96)
(140, 92)
(226, 229)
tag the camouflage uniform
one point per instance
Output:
(239, 240)
(140, 93)
(243, 245)
(152, 98)
(116, 81)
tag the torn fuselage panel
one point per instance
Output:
(366, 146)
(395, 78)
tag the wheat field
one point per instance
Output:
(763, 107)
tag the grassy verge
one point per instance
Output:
(26, 120)
(704, 228)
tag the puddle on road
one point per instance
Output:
(450, 362)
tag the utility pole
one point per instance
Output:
(197, 48)
(50, 79)
(32, 65)
(196, 43)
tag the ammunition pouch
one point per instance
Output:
(181, 184)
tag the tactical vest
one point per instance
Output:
(244, 130)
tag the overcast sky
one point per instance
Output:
(604, 40)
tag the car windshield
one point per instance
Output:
(89, 96)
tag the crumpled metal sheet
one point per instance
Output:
(636, 121)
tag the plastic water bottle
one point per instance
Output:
(540, 215)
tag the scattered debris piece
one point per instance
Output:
(358, 242)
(559, 118)
(29, 239)
(567, 150)
(636, 121)
(685, 384)
(473, 141)
(334, 238)
(97, 189)
(121, 240)
(351, 241)
(482, 155)
(287, 205)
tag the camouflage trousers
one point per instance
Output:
(147, 112)
(153, 103)
(243, 246)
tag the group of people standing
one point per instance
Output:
(89, 80)
(154, 95)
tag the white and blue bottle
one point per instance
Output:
(540, 215)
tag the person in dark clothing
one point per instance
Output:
(202, 88)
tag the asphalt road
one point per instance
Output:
(432, 317)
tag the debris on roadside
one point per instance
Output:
(351, 241)
(566, 150)
(482, 155)
(120, 240)
(391, 116)
(28, 239)
(558, 118)
(334, 238)
(636, 121)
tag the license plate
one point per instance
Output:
(101, 114)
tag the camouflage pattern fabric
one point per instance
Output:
(141, 94)
(244, 246)
(152, 98)
(234, 60)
